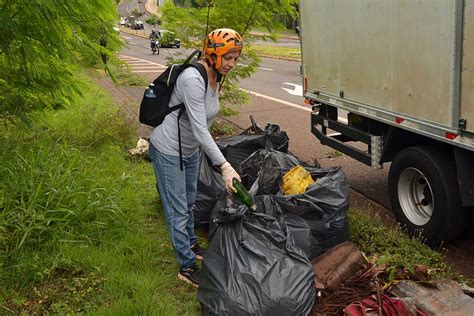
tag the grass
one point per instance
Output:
(333, 154)
(277, 51)
(81, 227)
(393, 248)
(124, 76)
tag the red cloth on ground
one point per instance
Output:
(390, 306)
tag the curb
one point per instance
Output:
(294, 37)
(132, 32)
(151, 8)
(280, 58)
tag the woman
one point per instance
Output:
(177, 187)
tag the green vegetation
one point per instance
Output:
(123, 75)
(137, 13)
(333, 154)
(153, 20)
(167, 38)
(393, 248)
(81, 228)
(221, 128)
(44, 43)
(277, 51)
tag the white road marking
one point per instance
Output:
(142, 64)
(148, 69)
(145, 66)
(139, 65)
(126, 37)
(133, 43)
(127, 58)
(297, 89)
(299, 107)
(268, 69)
(145, 71)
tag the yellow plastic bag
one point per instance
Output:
(296, 180)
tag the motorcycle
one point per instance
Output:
(155, 47)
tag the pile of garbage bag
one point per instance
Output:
(259, 262)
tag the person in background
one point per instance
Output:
(153, 37)
(177, 188)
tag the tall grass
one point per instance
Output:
(81, 229)
(56, 185)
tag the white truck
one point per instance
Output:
(392, 81)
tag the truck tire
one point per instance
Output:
(424, 194)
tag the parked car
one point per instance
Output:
(123, 21)
(129, 21)
(138, 25)
(168, 39)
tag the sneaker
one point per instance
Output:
(198, 251)
(191, 275)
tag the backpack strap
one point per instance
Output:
(197, 53)
(181, 164)
(202, 70)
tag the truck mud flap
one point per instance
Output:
(465, 170)
(371, 157)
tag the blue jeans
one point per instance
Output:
(177, 189)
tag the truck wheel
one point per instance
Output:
(424, 194)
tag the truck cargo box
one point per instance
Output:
(402, 62)
(392, 81)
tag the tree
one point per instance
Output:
(153, 20)
(43, 44)
(193, 24)
(137, 13)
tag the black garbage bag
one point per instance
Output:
(324, 204)
(302, 235)
(273, 163)
(251, 267)
(237, 148)
(324, 207)
(297, 226)
(210, 187)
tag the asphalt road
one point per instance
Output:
(125, 8)
(276, 97)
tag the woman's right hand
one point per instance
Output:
(228, 173)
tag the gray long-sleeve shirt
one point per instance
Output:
(201, 108)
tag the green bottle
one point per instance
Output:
(243, 195)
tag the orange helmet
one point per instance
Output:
(220, 42)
